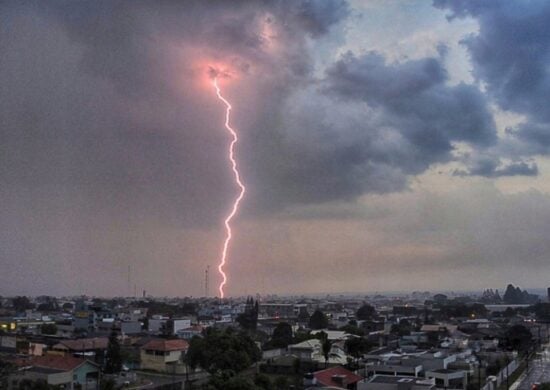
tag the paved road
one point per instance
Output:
(539, 370)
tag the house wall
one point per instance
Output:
(302, 354)
(158, 362)
(82, 371)
(132, 327)
(52, 379)
(181, 324)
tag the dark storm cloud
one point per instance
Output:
(510, 54)
(98, 97)
(107, 133)
(413, 98)
(489, 166)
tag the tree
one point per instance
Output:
(318, 320)
(282, 335)
(223, 350)
(403, 328)
(326, 346)
(478, 309)
(107, 384)
(48, 304)
(514, 295)
(263, 382)
(542, 311)
(249, 319)
(6, 369)
(281, 383)
(113, 358)
(48, 329)
(21, 303)
(518, 337)
(227, 380)
(353, 329)
(356, 346)
(365, 312)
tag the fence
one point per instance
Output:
(501, 377)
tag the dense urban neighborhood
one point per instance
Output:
(417, 341)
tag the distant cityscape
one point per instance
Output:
(490, 340)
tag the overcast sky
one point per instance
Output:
(385, 145)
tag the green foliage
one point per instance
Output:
(223, 350)
(326, 346)
(365, 312)
(518, 337)
(514, 295)
(6, 369)
(249, 319)
(227, 380)
(282, 336)
(156, 307)
(107, 384)
(113, 358)
(455, 309)
(403, 328)
(318, 320)
(49, 329)
(357, 346)
(281, 383)
(302, 335)
(440, 298)
(21, 303)
(542, 311)
(353, 329)
(263, 382)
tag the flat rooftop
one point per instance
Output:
(401, 379)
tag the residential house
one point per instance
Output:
(164, 355)
(92, 348)
(57, 370)
(335, 378)
(449, 379)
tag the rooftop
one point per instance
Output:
(391, 379)
(338, 377)
(166, 345)
(83, 344)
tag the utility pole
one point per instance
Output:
(129, 280)
(206, 281)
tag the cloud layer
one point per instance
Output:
(112, 150)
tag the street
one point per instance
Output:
(539, 370)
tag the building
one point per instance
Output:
(277, 310)
(92, 348)
(189, 333)
(164, 355)
(449, 379)
(130, 327)
(392, 382)
(310, 351)
(57, 370)
(335, 378)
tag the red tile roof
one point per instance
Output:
(166, 345)
(56, 362)
(81, 345)
(331, 376)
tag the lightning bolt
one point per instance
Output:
(241, 186)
